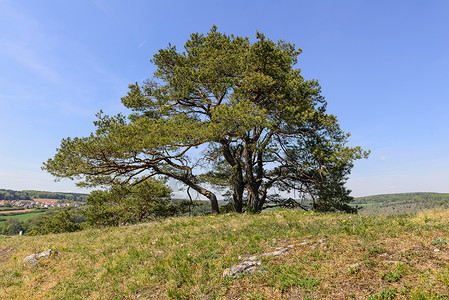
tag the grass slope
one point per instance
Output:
(334, 257)
(403, 203)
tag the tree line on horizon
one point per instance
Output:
(6, 194)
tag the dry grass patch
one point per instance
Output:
(3, 212)
(333, 257)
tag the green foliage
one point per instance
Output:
(393, 275)
(334, 197)
(13, 195)
(264, 128)
(33, 226)
(131, 204)
(12, 226)
(439, 242)
(384, 295)
(55, 221)
(291, 276)
(62, 222)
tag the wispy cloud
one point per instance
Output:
(29, 59)
(67, 108)
(109, 76)
(22, 43)
(102, 5)
(63, 72)
(142, 44)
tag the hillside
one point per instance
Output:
(404, 203)
(6, 194)
(319, 256)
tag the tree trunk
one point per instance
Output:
(208, 194)
(239, 187)
(213, 202)
(252, 186)
(233, 158)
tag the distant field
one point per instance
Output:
(14, 211)
(2, 208)
(22, 217)
(48, 200)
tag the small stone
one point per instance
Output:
(227, 272)
(246, 257)
(251, 270)
(276, 253)
(436, 250)
(244, 267)
(30, 257)
(33, 262)
(44, 254)
(250, 263)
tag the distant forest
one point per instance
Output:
(29, 195)
(404, 203)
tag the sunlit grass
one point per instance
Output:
(334, 256)
(21, 217)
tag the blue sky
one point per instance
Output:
(383, 67)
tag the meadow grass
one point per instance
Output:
(334, 256)
(21, 216)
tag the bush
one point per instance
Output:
(131, 204)
(55, 221)
(11, 227)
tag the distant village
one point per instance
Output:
(37, 203)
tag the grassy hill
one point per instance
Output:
(331, 256)
(404, 203)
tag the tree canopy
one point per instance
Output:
(225, 115)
